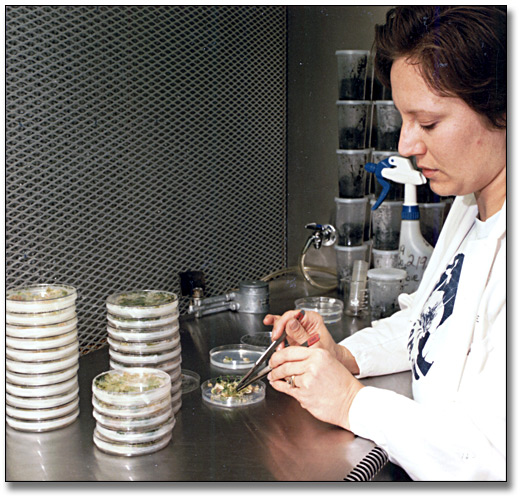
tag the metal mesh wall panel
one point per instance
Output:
(141, 142)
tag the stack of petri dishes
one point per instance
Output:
(42, 354)
(143, 331)
(133, 411)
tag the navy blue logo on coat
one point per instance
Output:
(437, 309)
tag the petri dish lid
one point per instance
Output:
(237, 357)
(147, 435)
(142, 303)
(43, 366)
(43, 354)
(40, 298)
(262, 339)
(144, 347)
(219, 392)
(340, 200)
(51, 342)
(329, 308)
(137, 324)
(42, 402)
(190, 381)
(41, 390)
(131, 386)
(43, 425)
(131, 410)
(40, 318)
(129, 450)
(41, 379)
(41, 414)
(150, 360)
(43, 331)
(387, 274)
(159, 333)
(133, 424)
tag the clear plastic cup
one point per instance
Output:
(353, 118)
(387, 124)
(386, 225)
(351, 172)
(396, 191)
(385, 258)
(345, 258)
(352, 68)
(432, 217)
(350, 219)
(384, 287)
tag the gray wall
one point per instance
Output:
(314, 34)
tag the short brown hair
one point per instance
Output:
(460, 50)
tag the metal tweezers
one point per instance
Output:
(248, 379)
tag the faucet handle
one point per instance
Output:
(324, 234)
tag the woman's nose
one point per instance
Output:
(410, 143)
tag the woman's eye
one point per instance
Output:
(428, 127)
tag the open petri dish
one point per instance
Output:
(42, 331)
(190, 381)
(262, 339)
(236, 357)
(329, 308)
(40, 318)
(142, 304)
(40, 298)
(131, 386)
(221, 392)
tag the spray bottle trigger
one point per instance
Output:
(377, 170)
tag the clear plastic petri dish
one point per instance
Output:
(133, 424)
(190, 381)
(221, 392)
(142, 304)
(40, 318)
(145, 335)
(129, 450)
(42, 343)
(41, 414)
(143, 347)
(41, 331)
(42, 402)
(137, 325)
(145, 360)
(41, 390)
(131, 386)
(41, 379)
(236, 357)
(42, 425)
(175, 375)
(132, 410)
(40, 298)
(169, 366)
(141, 436)
(329, 308)
(43, 366)
(262, 339)
(44, 354)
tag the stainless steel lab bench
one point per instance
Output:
(273, 440)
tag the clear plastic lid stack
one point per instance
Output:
(42, 354)
(133, 410)
(143, 332)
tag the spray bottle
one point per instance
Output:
(414, 250)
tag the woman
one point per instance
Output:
(447, 70)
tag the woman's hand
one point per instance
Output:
(299, 332)
(322, 385)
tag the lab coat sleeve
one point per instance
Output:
(382, 349)
(461, 440)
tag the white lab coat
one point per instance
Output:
(455, 426)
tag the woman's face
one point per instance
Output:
(453, 146)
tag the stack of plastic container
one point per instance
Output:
(133, 411)
(42, 353)
(143, 329)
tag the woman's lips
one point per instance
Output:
(427, 172)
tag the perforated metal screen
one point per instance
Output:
(142, 142)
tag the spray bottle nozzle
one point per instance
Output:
(377, 170)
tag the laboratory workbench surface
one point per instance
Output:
(274, 440)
